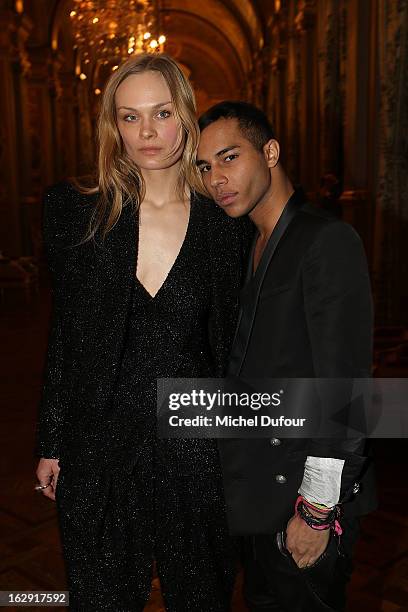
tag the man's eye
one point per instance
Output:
(164, 114)
(204, 169)
(230, 157)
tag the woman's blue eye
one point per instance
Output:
(129, 117)
(164, 114)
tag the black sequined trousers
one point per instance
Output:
(159, 499)
(175, 518)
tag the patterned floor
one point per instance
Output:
(30, 555)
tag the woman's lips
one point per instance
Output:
(150, 150)
(226, 198)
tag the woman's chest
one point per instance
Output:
(99, 277)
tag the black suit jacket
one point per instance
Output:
(307, 312)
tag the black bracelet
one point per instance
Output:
(325, 522)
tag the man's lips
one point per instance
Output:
(225, 198)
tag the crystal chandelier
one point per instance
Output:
(106, 32)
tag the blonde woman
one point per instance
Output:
(145, 279)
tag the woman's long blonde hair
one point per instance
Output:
(119, 179)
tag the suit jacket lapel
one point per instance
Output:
(249, 300)
(248, 275)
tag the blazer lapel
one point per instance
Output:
(115, 269)
(249, 299)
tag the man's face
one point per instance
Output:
(235, 173)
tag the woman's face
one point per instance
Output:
(147, 123)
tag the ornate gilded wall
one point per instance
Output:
(331, 74)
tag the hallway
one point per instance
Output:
(29, 544)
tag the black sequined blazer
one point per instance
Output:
(92, 296)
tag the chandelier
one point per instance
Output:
(106, 32)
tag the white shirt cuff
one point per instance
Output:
(322, 480)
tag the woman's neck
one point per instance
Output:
(161, 185)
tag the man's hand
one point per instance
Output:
(47, 473)
(304, 543)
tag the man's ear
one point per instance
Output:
(272, 151)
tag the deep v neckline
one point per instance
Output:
(176, 261)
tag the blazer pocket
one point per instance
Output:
(271, 291)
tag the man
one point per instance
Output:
(306, 312)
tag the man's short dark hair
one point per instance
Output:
(253, 122)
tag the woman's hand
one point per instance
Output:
(47, 474)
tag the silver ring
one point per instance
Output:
(41, 487)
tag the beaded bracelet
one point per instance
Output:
(328, 521)
(304, 511)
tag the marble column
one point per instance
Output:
(66, 117)
(13, 32)
(391, 205)
(356, 51)
(330, 102)
(305, 22)
(276, 75)
(37, 159)
(86, 137)
(292, 102)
